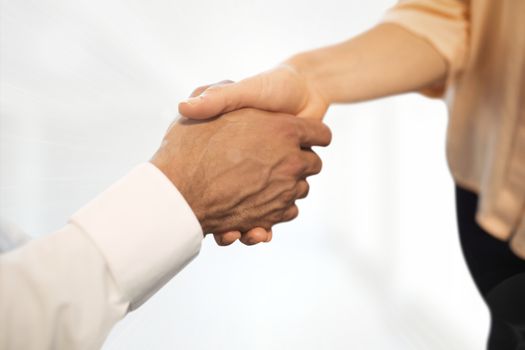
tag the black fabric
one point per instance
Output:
(498, 273)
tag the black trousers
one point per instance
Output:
(498, 273)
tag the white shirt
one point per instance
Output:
(66, 290)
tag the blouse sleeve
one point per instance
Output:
(444, 24)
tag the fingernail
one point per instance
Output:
(193, 100)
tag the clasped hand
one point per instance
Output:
(240, 167)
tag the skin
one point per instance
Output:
(383, 61)
(245, 168)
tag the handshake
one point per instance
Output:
(241, 152)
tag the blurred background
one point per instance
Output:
(87, 89)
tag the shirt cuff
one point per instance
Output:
(145, 230)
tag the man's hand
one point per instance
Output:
(283, 89)
(245, 169)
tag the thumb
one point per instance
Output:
(203, 88)
(213, 100)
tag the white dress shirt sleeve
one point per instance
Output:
(66, 290)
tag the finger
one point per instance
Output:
(227, 238)
(312, 163)
(269, 236)
(220, 99)
(302, 189)
(312, 132)
(290, 213)
(203, 88)
(254, 236)
(195, 107)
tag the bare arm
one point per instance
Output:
(383, 61)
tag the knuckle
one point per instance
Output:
(305, 189)
(288, 196)
(296, 164)
(323, 133)
(291, 213)
(318, 164)
(327, 135)
(330, 135)
(287, 127)
(275, 217)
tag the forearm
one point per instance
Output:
(385, 60)
(57, 293)
(66, 290)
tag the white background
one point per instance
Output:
(87, 89)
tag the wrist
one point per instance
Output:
(177, 178)
(309, 66)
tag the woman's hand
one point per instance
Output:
(383, 61)
(283, 89)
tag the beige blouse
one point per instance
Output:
(483, 42)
